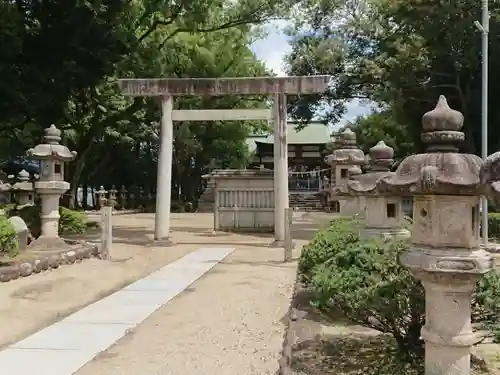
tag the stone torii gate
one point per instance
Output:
(167, 88)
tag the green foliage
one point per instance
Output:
(93, 44)
(494, 224)
(71, 222)
(365, 282)
(31, 216)
(325, 244)
(382, 126)
(486, 304)
(400, 54)
(178, 206)
(8, 238)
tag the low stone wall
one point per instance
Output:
(52, 260)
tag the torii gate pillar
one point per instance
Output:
(167, 88)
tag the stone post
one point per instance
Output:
(444, 253)
(280, 150)
(106, 231)
(216, 206)
(50, 186)
(288, 247)
(164, 174)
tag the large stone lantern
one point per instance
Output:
(444, 253)
(382, 212)
(346, 156)
(51, 185)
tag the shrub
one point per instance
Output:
(177, 206)
(8, 238)
(364, 281)
(71, 222)
(325, 244)
(31, 216)
(494, 224)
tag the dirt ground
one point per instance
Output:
(31, 303)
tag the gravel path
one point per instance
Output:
(229, 322)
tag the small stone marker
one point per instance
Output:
(21, 231)
(288, 235)
(106, 231)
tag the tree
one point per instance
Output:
(382, 126)
(62, 60)
(402, 54)
(196, 144)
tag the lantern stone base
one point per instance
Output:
(164, 242)
(385, 233)
(44, 243)
(277, 243)
(448, 332)
(448, 261)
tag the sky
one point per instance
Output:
(272, 50)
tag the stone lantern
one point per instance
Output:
(383, 213)
(445, 253)
(51, 185)
(344, 157)
(23, 189)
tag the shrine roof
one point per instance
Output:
(313, 133)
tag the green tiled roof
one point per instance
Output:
(313, 133)
(251, 141)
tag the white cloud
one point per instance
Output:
(354, 109)
(274, 47)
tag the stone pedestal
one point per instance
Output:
(49, 215)
(448, 337)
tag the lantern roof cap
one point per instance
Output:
(50, 148)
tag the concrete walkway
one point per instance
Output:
(64, 347)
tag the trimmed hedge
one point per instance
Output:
(364, 281)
